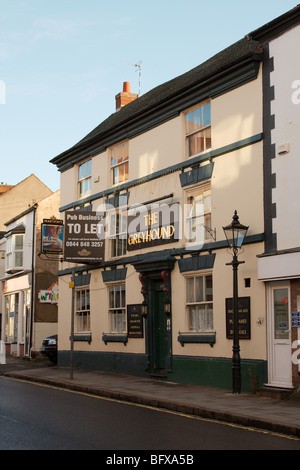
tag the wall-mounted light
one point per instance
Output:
(167, 307)
(144, 309)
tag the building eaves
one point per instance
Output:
(160, 97)
(19, 216)
(277, 26)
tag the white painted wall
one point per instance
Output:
(286, 108)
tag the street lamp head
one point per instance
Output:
(235, 233)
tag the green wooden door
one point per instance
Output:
(159, 327)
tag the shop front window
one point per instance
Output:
(11, 313)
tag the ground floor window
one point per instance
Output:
(199, 302)
(25, 314)
(11, 320)
(117, 308)
(83, 322)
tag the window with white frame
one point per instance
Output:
(117, 308)
(117, 232)
(25, 314)
(119, 163)
(11, 321)
(14, 252)
(199, 302)
(83, 322)
(198, 130)
(85, 178)
(198, 214)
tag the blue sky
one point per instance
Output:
(62, 63)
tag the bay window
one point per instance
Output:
(14, 252)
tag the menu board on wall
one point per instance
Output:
(243, 318)
(135, 321)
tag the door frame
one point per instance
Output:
(156, 267)
(273, 379)
(158, 325)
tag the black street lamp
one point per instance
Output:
(235, 234)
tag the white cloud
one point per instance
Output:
(53, 28)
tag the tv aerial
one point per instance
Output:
(138, 67)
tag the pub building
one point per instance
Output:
(144, 199)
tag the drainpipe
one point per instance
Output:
(32, 297)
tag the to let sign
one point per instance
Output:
(84, 240)
(243, 318)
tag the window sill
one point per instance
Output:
(83, 337)
(114, 338)
(209, 338)
(14, 270)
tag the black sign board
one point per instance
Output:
(83, 240)
(243, 318)
(135, 321)
(152, 226)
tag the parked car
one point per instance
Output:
(49, 348)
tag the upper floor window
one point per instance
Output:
(198, 130)
(85, 178)
(117, 232)
(198, 216)
(119, 163)
(14, 252)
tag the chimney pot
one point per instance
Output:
(126, 87)
(125, 96)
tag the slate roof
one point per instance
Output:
(162, 94)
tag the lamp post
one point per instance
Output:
(235, 234)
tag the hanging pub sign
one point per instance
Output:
(152, 226)
(135, 321)
(243, 318)
(83, 239)
(52, 232)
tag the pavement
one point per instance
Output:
(270, 414)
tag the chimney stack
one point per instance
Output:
(125, 96)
